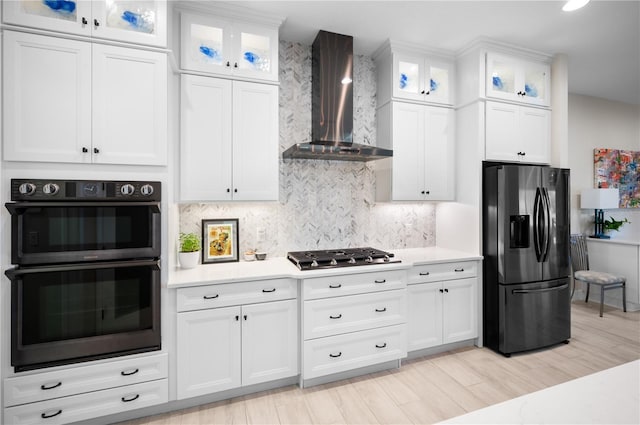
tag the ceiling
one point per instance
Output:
(601, 40)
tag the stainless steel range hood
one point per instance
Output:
(332, 105)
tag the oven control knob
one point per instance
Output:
(127, 189)
(27, 189)
(146, 190)
(50, 188)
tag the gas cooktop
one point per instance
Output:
(332, 258)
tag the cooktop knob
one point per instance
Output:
(127, 189)
(314, 263)
(146, 190)
(27, 189)
(352, 260)
(334, 262)
(50, 188)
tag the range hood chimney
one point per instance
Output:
(332, 105)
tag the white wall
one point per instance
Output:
(599, 123)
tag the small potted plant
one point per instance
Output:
(189, 250)
(614, 224)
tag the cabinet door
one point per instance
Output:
(68, 16)
(129, 106)
(424, 321)
(47, 98)
(205, 145)
(502, 139)
(408, 77)
(134, 21)
(255, 51)
(535, 135)
(438, 82)
(502, 77)
(408, 152)
(460, 306)
(208, 351)
(269, 341)
(536, 83)
(439, 162)
(255, 142)
(206, 44)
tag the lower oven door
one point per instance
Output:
(534, 315)
(78, 312)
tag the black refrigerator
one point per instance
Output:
(526, 232)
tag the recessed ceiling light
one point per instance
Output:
(574, 5)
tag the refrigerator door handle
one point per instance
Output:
(537, 291)
(536, 224)
(547, 223)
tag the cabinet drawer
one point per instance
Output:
(227, 294)
(332, 316)
(324, 356)
(445, 271)
(333, 286)
(91, 405)
(82, 379)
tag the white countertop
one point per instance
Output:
(615, 241)
(280, 267)
(607, 397)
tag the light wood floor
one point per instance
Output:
(431, 389)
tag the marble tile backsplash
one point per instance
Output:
(323, 204)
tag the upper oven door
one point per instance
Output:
(66, 232)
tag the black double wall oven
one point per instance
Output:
(86, 284)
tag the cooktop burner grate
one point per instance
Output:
(324, 259)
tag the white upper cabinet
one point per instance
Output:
(142, 22)
(514, 79)
(517, 133)
(423, 79)
(422, 166)
(414, 73)
(71, 101)
(225, 47)
(229, 142)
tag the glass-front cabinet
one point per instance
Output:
(519, 80)
(133, 21)
(230, 48)
(423, 79)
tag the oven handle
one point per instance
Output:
(18, 207)
(11, 273)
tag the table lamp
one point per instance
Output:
(599, 200)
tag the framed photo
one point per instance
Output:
(220, 240)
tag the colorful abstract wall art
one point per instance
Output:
(616, 168)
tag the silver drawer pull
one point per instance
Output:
(381, 310)
(458, 270)
(339, 285)
(211, 297)
(45, 416)
(133, 372)
(50, 387)
(335, 355)
(424, 273)
(127, 400)
(380, 281)
(269, 290)
(381, 346)
(336, 317)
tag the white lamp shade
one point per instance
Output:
(599, 199)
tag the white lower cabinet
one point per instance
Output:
(86, 392)
(87, 406)
(352, 321)
(442, 311)
(223, 348)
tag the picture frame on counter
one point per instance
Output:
(220, 240)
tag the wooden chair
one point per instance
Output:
(582, 273)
